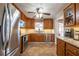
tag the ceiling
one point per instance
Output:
(52, 8)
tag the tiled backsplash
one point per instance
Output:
(28, 31)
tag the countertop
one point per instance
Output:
(35, 33)
(69, 40)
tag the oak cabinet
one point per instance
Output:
(66, 49)
(29, 22)
(77, 13)
(68, 53)
(71, 50)
(69, 15)
(60, 47)
(36, 37)
(48, 23)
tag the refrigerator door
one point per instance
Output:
(12, 32)
(13, 41)
(2, 29)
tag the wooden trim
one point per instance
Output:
(68, 6)
(16, 7)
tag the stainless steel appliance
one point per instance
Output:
(69, 32)
(25, 41)
(9, 30)
(2, 49)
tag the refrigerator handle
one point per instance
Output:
(3, 27)
(6, 25)
(8, 13)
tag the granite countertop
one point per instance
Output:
(69, 40)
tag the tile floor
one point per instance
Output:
(40, 49)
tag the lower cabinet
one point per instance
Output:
(71, 50)
(68, 53)
(60, 47)
(66, 49)
(36, 38)
(39, 37)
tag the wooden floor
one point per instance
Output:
(40, 49)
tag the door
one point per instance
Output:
(13, 41)
(12, 20)
(2, 29)
(69, 15)
(48, 23)
(2, 10)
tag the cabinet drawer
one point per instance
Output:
(72, 49)
(68, 53)
(60, 42)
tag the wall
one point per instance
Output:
(28, 31)
(59, 16)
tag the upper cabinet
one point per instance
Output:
(69, 15)
(29, 23)
(48, 23)
(77, 14)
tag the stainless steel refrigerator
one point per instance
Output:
(9, 30)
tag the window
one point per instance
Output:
(21, 23)
(39, 26)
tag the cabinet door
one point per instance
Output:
(36, 38)
(29, 22)
(69, 15)
(69, 53)
(77, 14)
(60, 47)
(71, 50)
(48, 23)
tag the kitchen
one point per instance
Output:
(43, 31)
